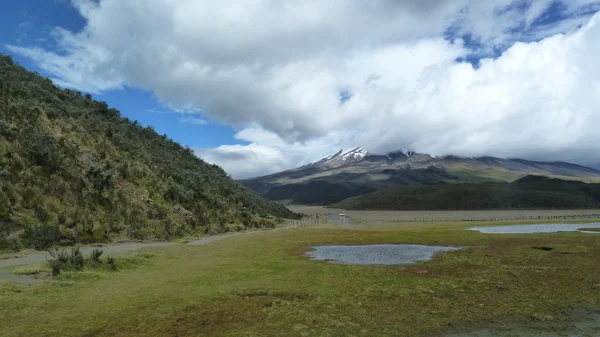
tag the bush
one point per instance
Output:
(15, 244)
(40, 237)
(212, 229)
(65, 259)
(95, 256)
(56, 267)
(76, 258)
(60, 255)
(112, 262)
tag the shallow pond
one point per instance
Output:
(541, 228)
(386, 254)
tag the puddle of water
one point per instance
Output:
(387, 254)
(541, 228)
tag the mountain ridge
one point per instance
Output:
(357, 170)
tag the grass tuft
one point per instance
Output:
(95, 255)
(112, 262)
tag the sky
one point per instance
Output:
(260, 86)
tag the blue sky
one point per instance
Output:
(30, 22)
(259, 88)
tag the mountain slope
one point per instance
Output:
(358, 171)
(316, 192)
(73, 170)
(530, 192)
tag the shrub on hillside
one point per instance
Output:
(41, 236)
(72, 170)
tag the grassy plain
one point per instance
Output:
(437, 216)
(262, 285)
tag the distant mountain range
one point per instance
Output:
(357, 172)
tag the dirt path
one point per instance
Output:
(110, 248)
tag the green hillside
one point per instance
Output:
(530, 192)
(316, 192)
(73, 170)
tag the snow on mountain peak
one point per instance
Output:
(335, 155)
(357, 154)
(354, 154)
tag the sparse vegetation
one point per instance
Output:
(72, 170)
(70, 259)
(64, 270)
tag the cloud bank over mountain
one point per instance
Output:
(301, 79)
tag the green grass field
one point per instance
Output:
(262, 285)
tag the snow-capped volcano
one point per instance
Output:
(356, 172)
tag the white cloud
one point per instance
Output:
(193, 120)
(268, 153)
(245, 161)
(23, 30)
(276, 70)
